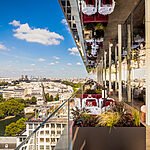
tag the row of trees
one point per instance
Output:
(14, 106)
(16, 127)
(11, 107)
(50, 98)
(4, 83)
(75, 86)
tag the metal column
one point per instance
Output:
(110, 46)
(129, 63)
(147, 34)
(120, 60)
(116, 66)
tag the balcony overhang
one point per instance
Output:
(75, 13)
(122, 11)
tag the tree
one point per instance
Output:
(11, 107)
(2, 115)
(47, 97)
(57, 97)
(33, 100)
(1, 98)
(3, 83)
(51, 98)
(16, 127)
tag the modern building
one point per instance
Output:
(46, 138)
(113, 32)
(8, 143)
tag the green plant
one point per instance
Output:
(89, 120)
(99, 26)
(82, 117)
(108, 119)
(77, 113)
(126, 120)
(136, 117)
(119, 107)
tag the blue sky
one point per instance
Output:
(35, 40)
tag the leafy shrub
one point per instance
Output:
(108, 119)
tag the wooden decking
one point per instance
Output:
(148, 138)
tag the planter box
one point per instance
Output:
(104, 138)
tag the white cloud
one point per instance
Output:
(41, 60)
(69, 64)
(78, 63)
(56, 62)
(51, 63)
(28, 70)
(15, 23)
(35, 35)
(3, 47)
(55, 57)
(32, 64)
(64, 21)
(73, 51)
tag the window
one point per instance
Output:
(52, 125)
(42, 132)
(53, 147)
(47, 147)
(30, 126)
(41, 139)
(47, 132)
(58, 132)
(21, 140)
(52, 132)
(58, 125)
(53, 140)
(41, 147)
(30, 132)
(35, 126)
(63, 125)
(47, 125)
(47, 140)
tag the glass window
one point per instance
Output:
(42, 132)
(58, 125)
(41, 147)
(47, 140)
(30, 132)
(47, 125)
(52, 125)
(52, 140)
(58, 132)
(35, 125)
(47, 132)
(64, 125)
(41, 139)
(52, 132)
(30, 126)
(47, 147)
(20, 139)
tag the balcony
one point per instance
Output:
(82, 130)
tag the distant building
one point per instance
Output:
(47, 136)
(8, 143)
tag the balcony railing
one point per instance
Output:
(32, 141)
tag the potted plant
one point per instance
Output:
(116, 129)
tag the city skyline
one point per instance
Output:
(35, 40)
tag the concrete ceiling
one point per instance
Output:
(122, 11)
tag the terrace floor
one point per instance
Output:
(148, 138)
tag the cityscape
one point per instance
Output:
(74, 75)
